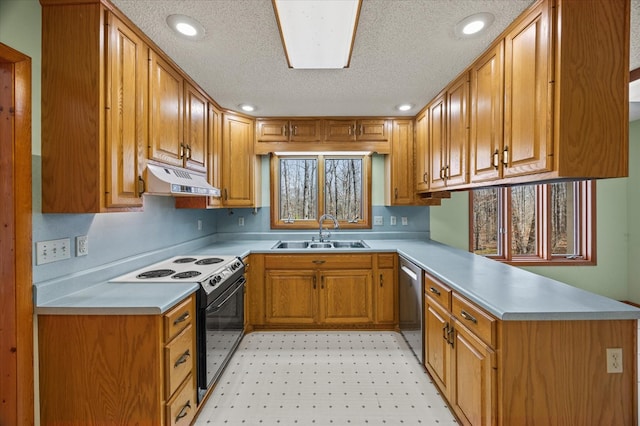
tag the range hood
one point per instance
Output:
(176, 181)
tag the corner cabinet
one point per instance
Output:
(117, 369)
(240, 168)
(94, 110)
(349, 290)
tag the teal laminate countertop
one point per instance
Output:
(509, 293)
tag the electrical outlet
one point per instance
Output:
(392, 220)
(241, 221)
(199, 225)
(82, 245)
(405, 221)
(614, 360)
(52, 250)
(378, 220)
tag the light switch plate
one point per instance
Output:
(405, 221)
(52, 251)
(377, 220)
(392, 220)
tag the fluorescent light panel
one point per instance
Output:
(317, 34)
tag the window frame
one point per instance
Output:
(586, 193)
(303, 224)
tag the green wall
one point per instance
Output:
(617, 273)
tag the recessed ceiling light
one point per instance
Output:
(404, 107)
(247, 107)
(186, 27)
(474, 24)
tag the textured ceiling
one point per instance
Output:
(405, 51)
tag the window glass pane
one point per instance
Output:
(486, 221)
(523, 220)
(564, 222)
(343, 188)
(298, 188)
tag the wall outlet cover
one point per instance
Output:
(378, 220)
(392, 220)
(82, 245)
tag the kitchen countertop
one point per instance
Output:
(505, 291)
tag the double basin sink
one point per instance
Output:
(300, 245)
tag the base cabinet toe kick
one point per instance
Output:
(497, 372)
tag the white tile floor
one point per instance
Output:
(324, 378)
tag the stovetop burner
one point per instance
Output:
(157, 273)
(185, 274)
(209, 261)
(185, 260)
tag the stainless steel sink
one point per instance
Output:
(359, 244)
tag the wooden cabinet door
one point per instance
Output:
(345, 297)
(456, 169)
(437, 141)
(305, 130)
(402, 178)
(214, 151)
(165, 118)
(372, 130)
(474, 378)
(340, 130)
(527, 122)
(238, 162)
(195, 129)
(290, 297)
(486, 115)
(385, 296)
(126, 128)
(422, 153)
(273, 130)
(437, 350)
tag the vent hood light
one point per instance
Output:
(317, 34)
(473, 25)
(164, 180)
(186, 27)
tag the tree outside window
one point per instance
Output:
(307, 186)
(533, 224)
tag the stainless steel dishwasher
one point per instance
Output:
(410, 305)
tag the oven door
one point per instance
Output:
(221, 329)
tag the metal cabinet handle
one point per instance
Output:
(425, 177)
(295, 130)
(450, 333)
(188, 152)
(396, 193)
(464, 314)
(314, 282)
(350, 130)
(141, 187)
(285, 130)
(496, 159)
(445, 332)
(181, 318)
(181, 150)
(434, 291)
(381, 281)
(505, 156)
(183, 358)
(183, 411)
(322, 282)
(318, 261)
(226, 195)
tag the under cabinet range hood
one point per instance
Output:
(175, 181)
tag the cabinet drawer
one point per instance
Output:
(475, 319)
(437, 291)
(181, 409)
(386, 260)
(178, 360)
(178, 318)
(319, 261)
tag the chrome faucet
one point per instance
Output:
(324, 236)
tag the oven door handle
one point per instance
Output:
(219, 305)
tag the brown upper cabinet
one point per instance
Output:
(422, 162)
(178, 118)
(399, 189)
(357, 130)
(289, 130)
(93, 147)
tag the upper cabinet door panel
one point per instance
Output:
(422, 153)
(527, 119)
(305, 130)
(127, 117)
(372, 130)
(340, 130)
(195, 128)
(165, 119)
(273, 130)
(486, 115)
(437, 141)
(457, 131)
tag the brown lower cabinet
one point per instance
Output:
(348, 290)
(496, 372)
(118, 369)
